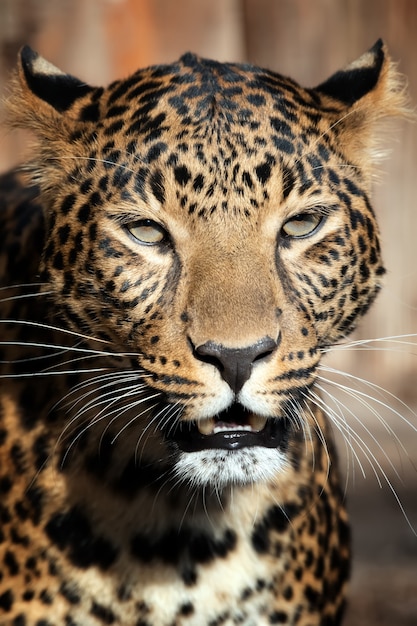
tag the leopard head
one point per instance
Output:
(210, 224)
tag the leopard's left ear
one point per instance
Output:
(358, 78)
(374, 75)
(368, 89)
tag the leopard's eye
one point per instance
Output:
(302, 225)
(148, 232)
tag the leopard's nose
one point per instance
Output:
(235, 364)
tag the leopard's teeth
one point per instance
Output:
(257, 422)
(206, 426)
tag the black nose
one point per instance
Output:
(235, 364)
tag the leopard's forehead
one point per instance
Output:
(213, 102)
(195, 88)
(225, 132)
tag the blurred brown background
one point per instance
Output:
(99, 40)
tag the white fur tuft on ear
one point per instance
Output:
(368, 91)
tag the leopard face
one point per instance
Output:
(216, 221)
(206, 234)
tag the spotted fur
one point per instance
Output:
(179, 252)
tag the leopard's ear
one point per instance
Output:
(366, 91)
(373, 78)
(47, 82)
(358, 78)
(54, 107)
(41, 93)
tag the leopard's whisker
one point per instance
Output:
(320, 434)
(111, 378)
(63, 348)
(92, 404)
(58, 329)
(372, 460)
(23, 286)
(365, 428)
(75, 360)
(369, 343)
(81, 157)
(131, 407)
(25, 296)
(59, 373)
(163, 417)
(375, 387)
(88, 424)
(351, 454)
(353, 438)
(118, 393)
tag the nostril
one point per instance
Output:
(235, 364)
(209, 353)
(266, 346)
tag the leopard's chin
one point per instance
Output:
(232, 429)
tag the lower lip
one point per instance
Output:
(274, 435)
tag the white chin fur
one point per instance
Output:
(221, 468)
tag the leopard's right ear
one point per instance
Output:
(40, 92)
(54, 107)
(48, 83)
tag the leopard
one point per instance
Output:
(179, 250)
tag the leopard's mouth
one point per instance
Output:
(232, 429)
